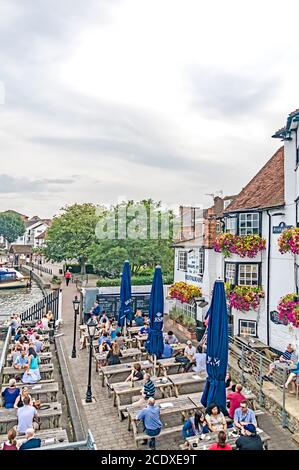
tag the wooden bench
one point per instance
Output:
(45, 358)
(45, 392)
(59, 435)
(164, 432)
(46, 372)
(48, 418)
(46, 346)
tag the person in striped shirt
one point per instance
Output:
(148, 391)
(288, 357)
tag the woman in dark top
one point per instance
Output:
(113, 355)
(136, 373)
(20, 399)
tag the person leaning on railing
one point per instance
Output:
(288, 357)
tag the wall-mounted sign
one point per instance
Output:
(280, 228)
(193, 266)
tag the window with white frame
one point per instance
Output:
(230, 273)
(247, 328)
(248, 274)
(249, 223)
(201, 262)
(231, 225)
(182, 260)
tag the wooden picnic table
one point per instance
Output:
(111, 371)
(186, 378)
(141, 339)
(181, 405)
(121, 389)
(45, 392)
(46, 346)
(133, 353)
(45, 358)
(165, 364)
(46, 372)
(253, 343)
(198, 444)
(48, 418)
(133, 330)
(47, 436)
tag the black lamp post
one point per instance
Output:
(92, 327)
(76, 306)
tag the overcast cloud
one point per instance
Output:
(164, 98)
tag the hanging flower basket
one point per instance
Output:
(244, 298)
(184, 292)
(289, 241)
(288, 309)
(244, 246)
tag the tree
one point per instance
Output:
(139, 239)
(72, 234)
(11, 226)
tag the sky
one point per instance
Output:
(105, 100)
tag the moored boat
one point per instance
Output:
(10, 278)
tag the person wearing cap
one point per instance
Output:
(10, 394)
(244, 415)
(250, 440)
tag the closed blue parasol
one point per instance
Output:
(217, 349)
(125, 309)
(154, 344)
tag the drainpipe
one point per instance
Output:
(268, 277)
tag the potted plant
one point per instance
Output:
(288, 309)
(244, 298)
(243, 245)
(289, 241)
(55, 282)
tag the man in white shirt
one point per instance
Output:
(190, 351)
(25, 416)
(200, 359)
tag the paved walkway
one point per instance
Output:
(109, 433)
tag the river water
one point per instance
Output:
(18, 300)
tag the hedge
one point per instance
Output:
(76, 268)
(135, 281)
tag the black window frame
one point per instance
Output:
(238, 263)
(236, 215)
(248, 320)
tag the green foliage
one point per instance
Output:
(136, 243)
(55, 280)
(135, 280)
(179, 316)
(72, 234)
(76, 268)
(11, 226)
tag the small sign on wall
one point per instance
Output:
(277, 229)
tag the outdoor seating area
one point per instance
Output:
(29, 389)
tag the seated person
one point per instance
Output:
(215, 418)
(18, 334)
(96, 310)
(244, 415)
(10, 394)
(113, 331)
(25, 416)
(136, 373)
(11, 443)
(195, 425)
(288, 357)
(38, 344)
(167, 351)
(20, 398)
(144, 330)
(229, 383)
(21, 361)
(200, 359)
(39, 325)
(104, 339)
(139, 321)
(292, 377)
(235, 399)
(104, 347)
(32, 442)
(45, 322)
(148, 391)
(189, 353)
(250, 440)
(16, 352)
(170, 338)
(113, 355)
(221, 444)
(119, 339)
(103, 318)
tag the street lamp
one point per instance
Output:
(92, 327)
(76, 306)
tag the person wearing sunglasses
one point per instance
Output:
(243, 416)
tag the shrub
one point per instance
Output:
(135, 281)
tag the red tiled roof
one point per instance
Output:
(266, 189)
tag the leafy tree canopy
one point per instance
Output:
(11, 226)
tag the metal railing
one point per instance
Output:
(88, 444)
(49, 302)
(5, 351)
(40, 268)
(254, 367)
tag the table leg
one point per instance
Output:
(176, 391)
(103, 379)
